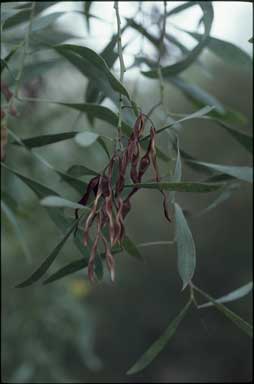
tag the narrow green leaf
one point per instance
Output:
(39, 272)
(40, 141)
(159, 344)
(131, 248)
(201, 112)
(78, 185)
(87, 7)
(99, 112)
(93, 66)
(80, 170)
(239, 172)
(41, 191)
(241, 137)
(223, 196)
(43, 22)
(16, 226)
(23, 15)
(139, 28)
(55, 201)
(85, 139)
(238, 321)
(186, 250)
(70, 268)
(232, 296)
(196, 93)
(182, 65)
(228, 52)
(181, 8)
(193, 187)
(4, 62)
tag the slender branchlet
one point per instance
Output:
(122, 70)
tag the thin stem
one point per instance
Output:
(163, 31)
(122, 70)
(156, 243)
(26, 47)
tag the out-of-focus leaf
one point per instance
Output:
(4, 62)
(251, 40)
(131, 248)
(78, 185)
(201, 112)
(80, 170)
(238, 321)
(40, 141)
(39, 272)
(43, 22)
(174, 69)
(182, 7)
(186, 186)
(193, 91)
(16, 226)
(99, 112)
(92, 66)
(41, 191)
(241, 137)
(87, 7)
(186, 250)
(228, 52)
(23, 15)
(239, 172)
(55, 201)
(70, 268)
(159, 344)
(85, 139)
(139, 28)
(223, 196)
(234, 295)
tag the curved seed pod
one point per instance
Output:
(93, 250)
(109, 259)
(134, 163)
(119, 226)
(153, 154)
(109, 212)
(126, 207)
(143, 166)
(92, 186)
(92, 214)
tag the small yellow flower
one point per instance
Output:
(79, 288)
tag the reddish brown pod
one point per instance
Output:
(110, 208)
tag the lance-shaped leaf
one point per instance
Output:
(80, 170)
(17, 228)
(55, 201)
(182, 65)
(228, 52)
(92, 66)
(87, 7)
(4, 62)
(99, 112)
(239, 172)
(185, 186)
(238, 321)
(159, 344)
(23, 12)
(131, 248)
(39, 272)
(244, 139)
(223, 196)
(43, 22)
(201, 112)
(181, 8)
(78, 185)
(186, 250)
(41, 191)
(196, 93)
(40, 141)
(232, 296)
(68, 269)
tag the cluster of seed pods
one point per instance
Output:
(109, 208)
